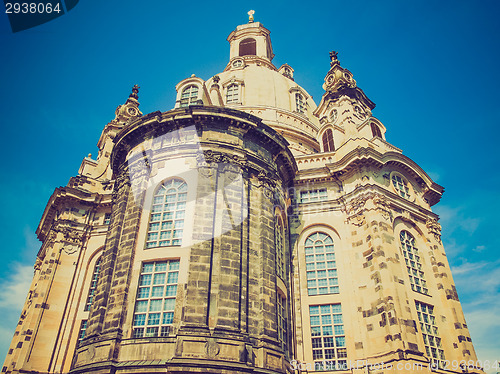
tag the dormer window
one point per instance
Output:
(376, 131)
(189, 96)
(328, 145)
(232, 94)
(248, 47)
(299, 103)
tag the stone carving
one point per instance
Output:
(38, 264)
(434, 228)
(210, 158)
(383, 206)
(212, 348)
(267, 182)
(139, 171)
(72, 236)
(358, 219)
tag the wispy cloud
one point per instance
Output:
(14, 290)
(458, 218)
(479, 288)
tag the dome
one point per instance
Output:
(251, 83)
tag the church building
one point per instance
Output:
(247, 230)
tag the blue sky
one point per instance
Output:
(430, 66)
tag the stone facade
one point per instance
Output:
(245, 231)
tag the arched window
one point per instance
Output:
(376, 131)
(93, 284)
(328, 145)
(232, 94)
(167, 214)
(248, 47)
(321, 265)
(413, 263)
(299, 103)
(279, 242)
(189, 96)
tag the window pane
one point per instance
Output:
(157, 311)
(169, 203)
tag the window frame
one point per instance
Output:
(376, 132)
(192, 96)
(328, 141)
(401, 186)
(414, 268)
(300, 103)
(234, 93)
(321, 273)
(327, 341)
(314, 195)
(430, 334)
(93, 284)
(280, 248)
(159, 220)
(153, 293)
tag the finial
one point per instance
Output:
(250, 16)
(333, 58)
(135, 91)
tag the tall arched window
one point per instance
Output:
(279, 242)
(328, 145)
(413, 263)
(248, 47)
(299, 103)
(167, 214)
(376, 131)
(321, 266)
(189, 96)
(93, 284)
(232, 94)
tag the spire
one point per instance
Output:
(135, 91)
(339, 81)
(131, 107)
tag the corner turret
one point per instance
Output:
(345, 112)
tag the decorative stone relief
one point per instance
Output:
(212, 348)
(384, 207)
(139, 171)
(434, 228)
(267, 182)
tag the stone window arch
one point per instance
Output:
(279, 242)
(300, 104)
(328, 145)
(413, 262)
(376, 131)
(189, 96)
(93, 284)
(168, 210)
(248, 47)
(321, 265)
(232, 93)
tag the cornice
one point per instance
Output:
(202, 117)
(368, 156)
(63, 197)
